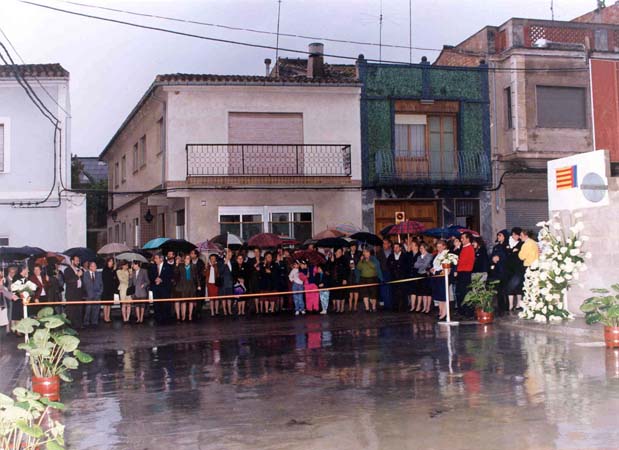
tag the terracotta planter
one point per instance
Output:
(446, 266)
(48, 387)
(485, 317)
(611, 336)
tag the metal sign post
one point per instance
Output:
(448, 322)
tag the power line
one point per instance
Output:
(250, 30)
(270, 47)
(35, 78)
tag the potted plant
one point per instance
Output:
(26, 422)
(448, 260)
(604, 309)
(52, 349)
(481, 297)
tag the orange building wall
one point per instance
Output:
(605, 92)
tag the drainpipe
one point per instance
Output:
(164, 151)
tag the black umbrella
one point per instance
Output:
(367, 238)
(385, 231)
(15, 253)
(177, 246)
(84, 253)
(332, 243)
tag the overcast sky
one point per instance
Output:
(112, 65)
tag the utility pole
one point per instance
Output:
(279, 9)
(410, 31)
(380, 33)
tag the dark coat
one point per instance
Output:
(498, 271)
(93, 287)
(400, 268)
(339, 271)
(514, 266)
(482, 263)
(269, 277)
(110, 283)
(164, 289)
(186, 287)
(226, 279)
(72, 291)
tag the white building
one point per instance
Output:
(35, 171)
(244, 154)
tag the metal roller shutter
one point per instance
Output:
(525, 213)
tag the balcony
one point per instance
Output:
(439, 169)
(268, 160)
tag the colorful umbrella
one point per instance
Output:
(385, 231)
(156, 243)
(113, 247)
(407, 227)
(287, 241)
(448, 232)
(367, 238)
(210, 246)
(329, 233)
(312, 256)
(265, 240)
(347, 228)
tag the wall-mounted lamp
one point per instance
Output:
(148, 217)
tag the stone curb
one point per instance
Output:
(571, 329)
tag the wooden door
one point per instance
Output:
(424, 211)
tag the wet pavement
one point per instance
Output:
(361, 381)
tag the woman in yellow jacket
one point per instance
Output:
(529, 251)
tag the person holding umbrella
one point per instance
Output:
(226, 284)
(123, 276)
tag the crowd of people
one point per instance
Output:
(397, 276)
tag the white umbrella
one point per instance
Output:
(130, 256)
(113, 247)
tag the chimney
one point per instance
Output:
(315, 61)
(267, 63)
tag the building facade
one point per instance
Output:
(35, 160)
(541, 101)
(90, 175)
(205, 154)
(426, 144)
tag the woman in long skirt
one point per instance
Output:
(122, 274)
(437, 283)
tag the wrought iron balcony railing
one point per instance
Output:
(268, 160)
(444, 168)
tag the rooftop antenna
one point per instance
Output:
(279, 9)
(410, 31)
(552, 9)
(380, 33)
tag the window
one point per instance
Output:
(561, 107)
(142, 151)
(410, 136)
(160, 225)
(110, 234)
(5, 133)
(136, 232)
(123, 233)
(116, 174)
(297, 225)
(117, 233)
(4, 240)
(123, 168)
(136, 160)
(161, 129)
(442, 145)
(508, 108)
(242, 221)
(180, 224)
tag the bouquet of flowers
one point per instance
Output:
(448, 258)
(547, 280)
(23, 288)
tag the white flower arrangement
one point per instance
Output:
(24, 287)
(448, 258)
(549, 278)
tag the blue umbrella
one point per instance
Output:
(452, 231)
(156, 243)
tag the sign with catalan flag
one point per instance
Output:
(579, 181)
(567, 177)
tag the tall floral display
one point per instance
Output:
(561, 260)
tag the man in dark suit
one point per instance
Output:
(74, 291)
(200, 285)
(93, 285)
(399, 267)
(161, 275)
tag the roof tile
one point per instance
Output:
(34, 70)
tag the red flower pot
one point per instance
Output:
(48, 387)
(485, 317)
(611, 336)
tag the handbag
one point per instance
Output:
(4, 316)
(131, 290)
